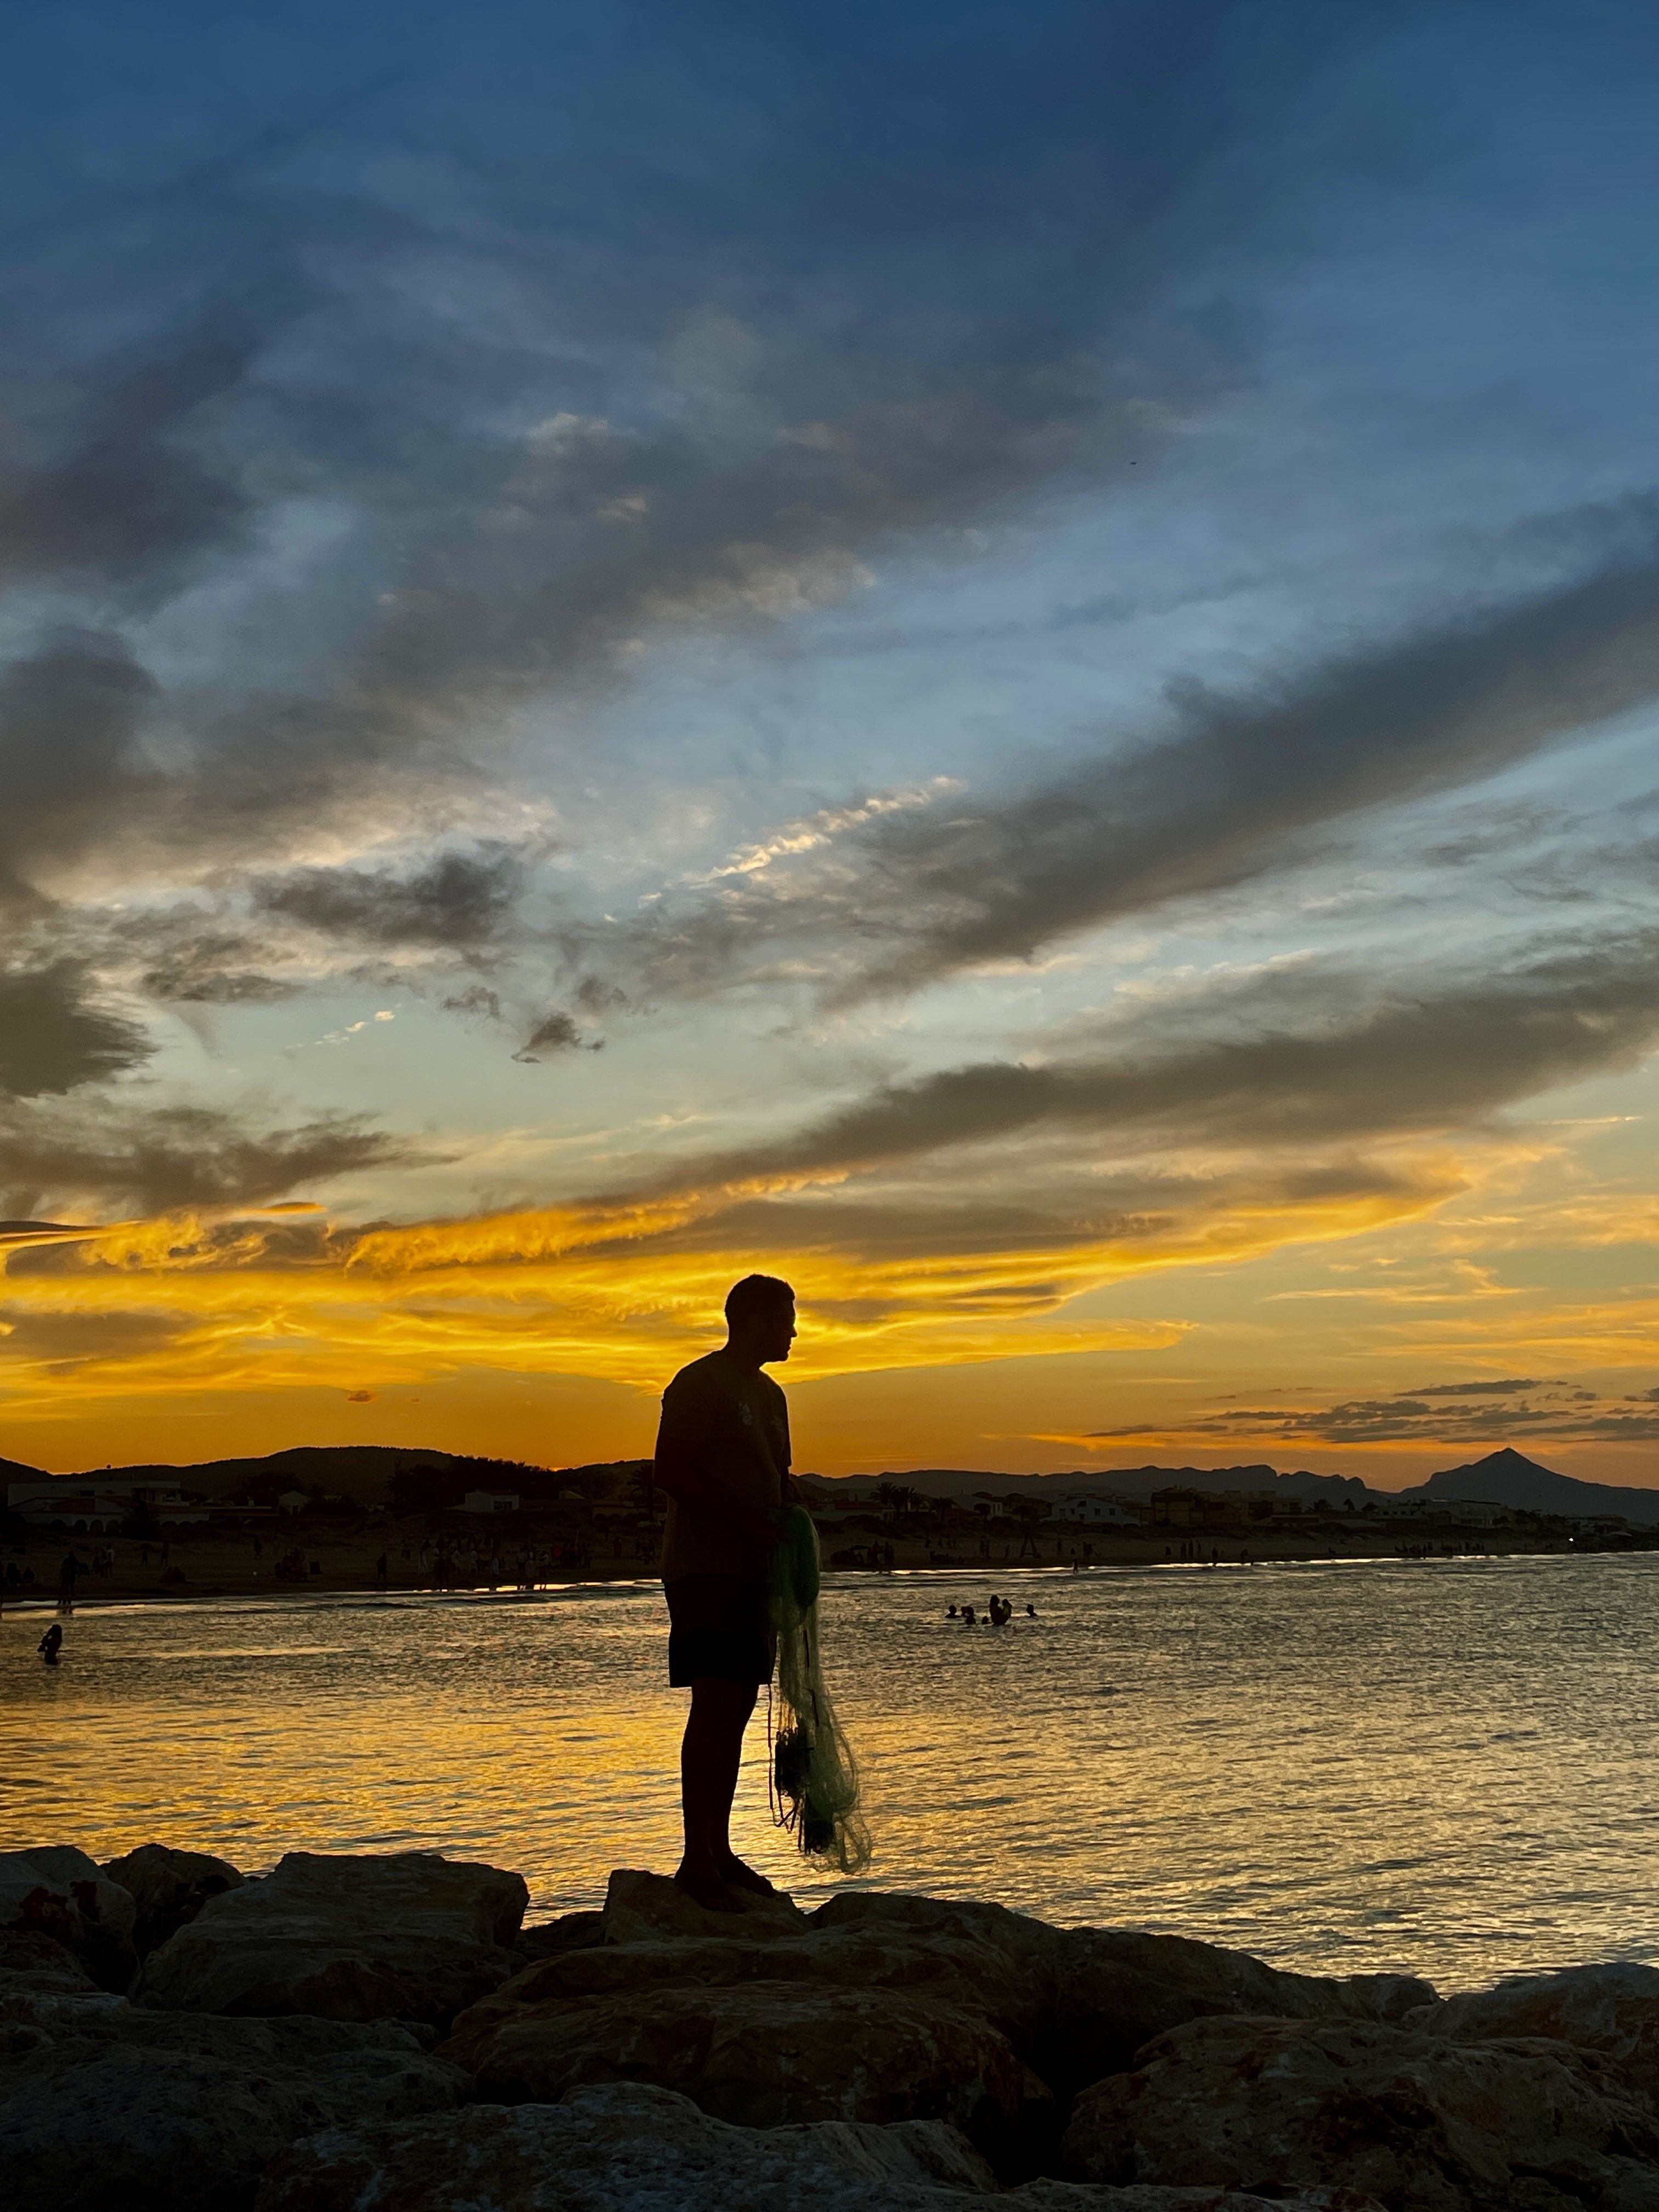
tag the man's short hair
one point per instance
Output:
(754, 1295)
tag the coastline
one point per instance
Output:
(350, 2030)
(196, 1568)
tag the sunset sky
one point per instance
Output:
(1002, 659)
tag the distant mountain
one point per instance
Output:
(425, 1478)
(1501, 1478)
(365, 1474)
(1510, 1478)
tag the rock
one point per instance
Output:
(1080, 2002)
(1005, 1963)
(623, 2149)
(1027, 1947)
(410, 1937)
(629, 2148)
(56, 1891)
(643, 1908)
(1115, 1990)
(1611, 2009)
(180, 2112)
(1152, 2197)
(573, 1931)
(1075, 2003)
(43, 1985)
(953, 1969)
(169, 1887)
(1414, 2120)
(767, 2054)
(131, 2131)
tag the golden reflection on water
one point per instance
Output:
(1441, 1767)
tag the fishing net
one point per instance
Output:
(815, 1781)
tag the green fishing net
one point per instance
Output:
(815, 1781)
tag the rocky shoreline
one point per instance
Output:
(386, 2035)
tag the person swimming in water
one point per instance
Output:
(51, 1644)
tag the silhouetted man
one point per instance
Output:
(723, 1460)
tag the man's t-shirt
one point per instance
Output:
(731, 1424)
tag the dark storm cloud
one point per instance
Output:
(134, 1161)
(1431, 1059)
(125, 497)
(53, 1038)
(1580, 1416)
(1473, 1390)
(62, 1343)
(555, 1032)
(477, 999)
(1219, 805)
(204, 974)
(1238, 791)
(1037, 1207)
(71, 720)
(460, 900)
(823, 333)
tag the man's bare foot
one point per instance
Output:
(705, 1889)
(737, 1875)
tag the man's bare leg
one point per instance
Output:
(710, 1754)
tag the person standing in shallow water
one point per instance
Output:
(722, 1460)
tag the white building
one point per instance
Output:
(95, 1507)
(1469, 1512)
(491, 1501)
(1096, 1512)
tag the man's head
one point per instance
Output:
(760, 1318)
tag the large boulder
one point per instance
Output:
(410, 1937)
(137, 2112)
(766, 2054)
(1115, 1990)
(169, 1887)
(1076, 2004)
(1080, 2002)
(43, 1985)
(1422, 2124)
(1613, 2009)
(572, 1931)
(54, 1890)
(631, 2148)
(650, 1908)
(952, 1968)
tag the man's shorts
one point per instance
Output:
(719, 1627)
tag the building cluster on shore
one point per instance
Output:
(361, 1517)
(348, 2033)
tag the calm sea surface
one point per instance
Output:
(1448, 1768)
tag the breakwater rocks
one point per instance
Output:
(385, 2035)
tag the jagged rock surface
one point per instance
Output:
(647, 1908)
(54, 1890)
(1115, 1990)
(630, 2148)
(549, 1939)
(42, 1985)
(168, 1889)
(413, 1936)
(771, 2054)
(1423, 2123)
(1611, 2009)
(128, 2110)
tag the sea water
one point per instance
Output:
(1444, 1768)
